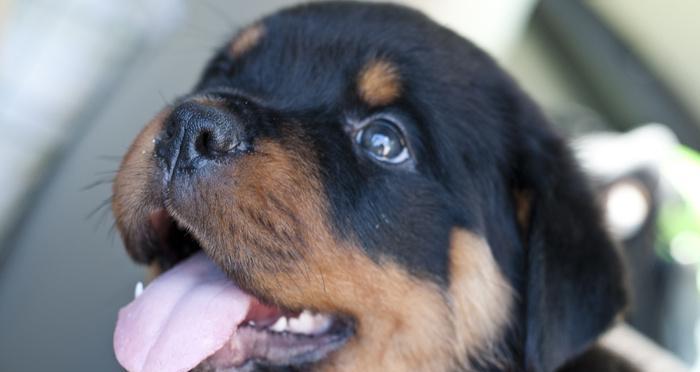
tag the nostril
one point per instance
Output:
(203, 144)
(211, 144)
(174, 124)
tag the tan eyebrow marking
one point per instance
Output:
(379, 83)
(247, 40)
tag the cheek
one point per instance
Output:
(264, 209)
(482, 299)
(403, 322)
(398, 215)
(135, 188)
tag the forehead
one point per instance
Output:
(332, 53)
(325, 60)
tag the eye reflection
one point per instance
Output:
(383, 141)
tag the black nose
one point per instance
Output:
(196, 135)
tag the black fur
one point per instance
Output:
(476, 140)
(599, 359)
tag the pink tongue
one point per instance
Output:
(181, 318)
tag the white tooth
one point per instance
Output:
(280, 325)
(304, 323)
(321, 323)
(306, 314)
(138, 290)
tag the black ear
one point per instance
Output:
(575, 286)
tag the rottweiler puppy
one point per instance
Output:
(352, 187)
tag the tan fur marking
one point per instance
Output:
(131, 181)
(379, 83)
(247, 40)
(133, 188)
(210, 101)
(403, 322)
(481, 297)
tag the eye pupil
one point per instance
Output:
(381, 144)
(382, 139)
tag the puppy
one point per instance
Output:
(352, 187)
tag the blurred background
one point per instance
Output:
(79, 78)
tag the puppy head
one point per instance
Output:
(362, 162)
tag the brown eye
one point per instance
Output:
(382, 140)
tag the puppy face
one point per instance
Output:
(360, 163)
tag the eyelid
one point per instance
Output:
(400, 158)
(359, 124)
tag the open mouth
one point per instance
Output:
(193, 317)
